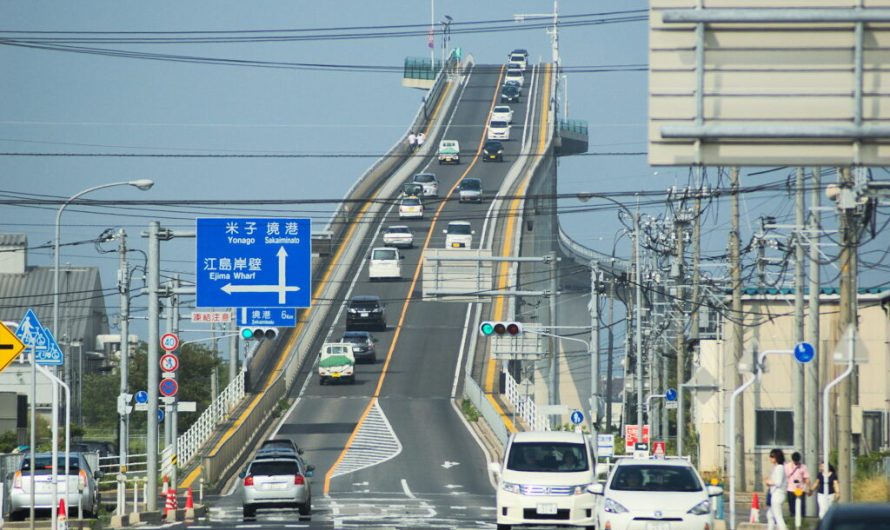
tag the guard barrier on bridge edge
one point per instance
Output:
(219, 461)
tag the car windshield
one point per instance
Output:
(517, 57)
(274, 467)
(448, 145)
(512, 83)
(44, 464)
(493, 146)
(410, 202)
(548, 457)
(514, 73)
(459, 229)
(424, 178)
(471, 185)
(509, 89)
(384, 254)
(860, 522)
(655, 478)
(502, 110)
(498, 124)
(398, 230)
(354, 339)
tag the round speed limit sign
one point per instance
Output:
(169, 342)
(169, 362)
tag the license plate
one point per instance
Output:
(658, 526)
(457, 245)
(275, 486)
(364, 315)
(335, 374)
(547, 509)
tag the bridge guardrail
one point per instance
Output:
(219, 462)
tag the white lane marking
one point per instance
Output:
(460, 354)
(448, 464)
(528, 103)
(406, 489)
(453, 486)
(458, 507)
(248, 526)
(374, 443)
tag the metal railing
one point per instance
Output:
(419, 68)
(109, 465)
(524, 406)
(218, 411)
(575, 126)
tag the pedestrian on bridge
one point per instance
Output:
(420, 139)
(412, 141)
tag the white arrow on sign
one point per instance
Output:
(282, 288)
(448, 465)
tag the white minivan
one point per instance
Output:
(459, 234)
(386, 264)
(498, 130)
(546, 479)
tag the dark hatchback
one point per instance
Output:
(509, 94)
(366, 311)
(493, 150)
(364, 347)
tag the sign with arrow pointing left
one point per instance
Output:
(260, 262)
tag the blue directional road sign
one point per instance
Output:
(141, 396)
(577, 417)
(40, 340)
(804, 352)
(263, 262)
(160, 415)
(670, 394)
(284, 317)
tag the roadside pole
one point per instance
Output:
(811, 374)
(123, 275)
(153, 273)
(33, 446)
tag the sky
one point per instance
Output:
(62, 103)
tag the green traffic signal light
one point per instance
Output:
(246, 333)
(487, 328)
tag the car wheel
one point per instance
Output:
(305, 508)
(17, 516)
(249, 512)
(382, 326)
(374, 358)
(504, 527)
(321, 380)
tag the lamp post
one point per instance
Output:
(446, 36)
(142, 184)
(590, 353)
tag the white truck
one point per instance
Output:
(337, 363)
(449, 151)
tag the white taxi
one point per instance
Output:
(410, 208)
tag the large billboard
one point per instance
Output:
(769, 82)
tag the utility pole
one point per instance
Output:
(849, 232)
(811, 373)
(694, 324)
(680, 278)
(732, 367)
(638, 332)
(554, 343)
(151, 442)
(594, 345)
(611, 338)
(123, 286)
(233, 348)
(799, 422)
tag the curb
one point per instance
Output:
(137, 518)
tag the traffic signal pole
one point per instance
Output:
(151, 442)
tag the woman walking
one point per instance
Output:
(777, 484)
(825, 497)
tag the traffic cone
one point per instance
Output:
(755, 509)
(189, 505)
(62, 517)
(170, 505)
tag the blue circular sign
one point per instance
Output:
(141, 396)
(577, 417)
(160, 415)
(804, 352)
(670, 394)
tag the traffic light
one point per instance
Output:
(259, 333)
(500, 329)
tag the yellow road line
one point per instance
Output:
(398, 330)
(507, 250)
(191, 477)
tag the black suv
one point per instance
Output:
(363, 345)
(367, 311)
(493, 150)
(509, 94)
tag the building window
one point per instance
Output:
(873, 430)
(774, 428)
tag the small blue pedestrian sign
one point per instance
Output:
(279, 317)
(260, 262)
(160, 415)
(804, 352)
(670, 394)
(39, 340)
(141, 397)
(577, 417)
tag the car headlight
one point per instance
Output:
(611, 506)
(510, 487)
(580, 489)
(702, 508)
(352, 310)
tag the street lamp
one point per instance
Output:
(446, 36)
(584, 197)
(142, 184)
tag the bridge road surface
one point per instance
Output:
(412, 463)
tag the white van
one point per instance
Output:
(386, 264)
(519, 58)
(459, 234)
(546, 478)
(515, 74)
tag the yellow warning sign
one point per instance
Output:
(10, 347)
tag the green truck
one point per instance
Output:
(337, 363)
(449, 152)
